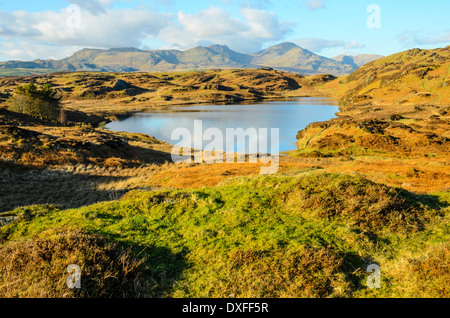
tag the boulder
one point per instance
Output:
(121, 85)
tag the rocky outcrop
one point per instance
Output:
(121, 85)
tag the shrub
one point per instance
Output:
(41, 103)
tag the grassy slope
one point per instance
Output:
(394, 121)
(408, 78)
(269, 237)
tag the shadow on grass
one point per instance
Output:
(23, 186)
(355, 268)
(109, 269)
(161, 268)
(432, 201)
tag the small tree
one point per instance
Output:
(41, 103)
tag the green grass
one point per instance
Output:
(309, 236)
(348, 151)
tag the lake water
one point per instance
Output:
(288, 116)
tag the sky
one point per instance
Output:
(54, 29)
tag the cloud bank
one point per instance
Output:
(31, 35)
(413, 38)
(318, 45)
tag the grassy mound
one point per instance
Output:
(365, 204)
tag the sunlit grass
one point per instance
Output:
(310, 236)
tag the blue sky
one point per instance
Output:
(57, 28)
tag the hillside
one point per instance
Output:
(286, 56)
(115, 93)
(250, 238)
(414, 77)
(394, 111)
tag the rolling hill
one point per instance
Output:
(285, 56)
(112, 93)
(396, 106)
(414, 77)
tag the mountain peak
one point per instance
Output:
(88, 50)
(285, 56)
(125, 50)
(219, 46)
(283, 48)
(287, 45)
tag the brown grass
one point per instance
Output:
(413, 77)
(434, 272)
(426, 275)
(420, 175)
(107, 269)
(311, 273)
(212, 175)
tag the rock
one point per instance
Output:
(80, 117)
(396, 117)
(7, 220)
(121, 85)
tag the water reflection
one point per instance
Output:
(288, 116)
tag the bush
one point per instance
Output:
(41, 103)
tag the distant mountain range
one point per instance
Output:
(285, 56)
(358, 60)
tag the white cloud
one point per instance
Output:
(27, 51)
(314, 4)
(50, 34)
(413, 37)
(94, 7)
(318, 45)
(264, 25)
(49, 29)
(211, 22)
(215, 25)
(354, 45)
